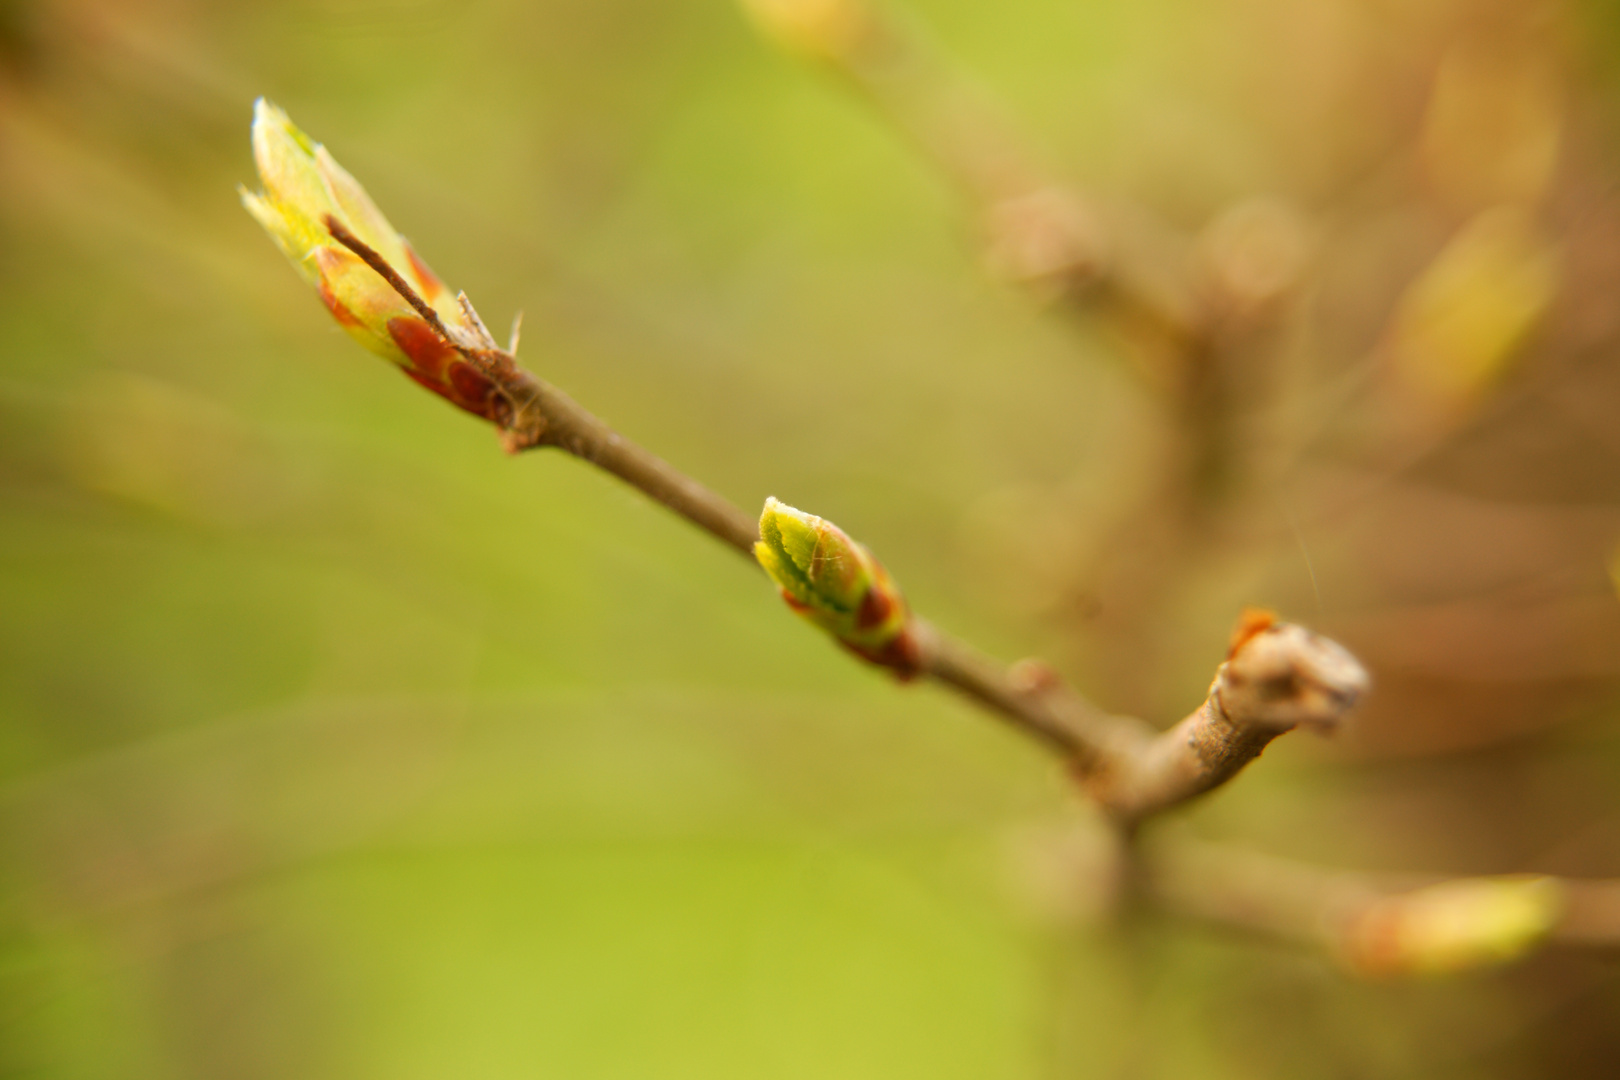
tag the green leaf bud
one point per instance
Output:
(835, 582)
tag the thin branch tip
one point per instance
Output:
(1277, 676)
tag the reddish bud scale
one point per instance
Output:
(428, 283)
(900, 655)
(876, 607)
(1373, 944)
(436, 365)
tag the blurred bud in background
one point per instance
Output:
(1255, 251)
(1454, 926)
(1460, 325)
(1045, 240)
(1489, 148)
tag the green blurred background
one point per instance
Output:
(334, 743)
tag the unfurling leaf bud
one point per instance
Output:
(305, 193)
(1454, 926)
(837, 584)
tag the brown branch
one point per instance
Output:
(560, 421)
(1591, 915)
(1276, 676)
(1043, 706)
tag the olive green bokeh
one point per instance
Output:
(334, 743)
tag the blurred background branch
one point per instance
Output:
(1383, 926)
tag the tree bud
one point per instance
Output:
(837, 584)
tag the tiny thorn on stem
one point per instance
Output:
(470, 313)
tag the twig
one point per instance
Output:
(1277, 675)
(1592, 915)
(542, 415)
(1255, 894)
(1046, 708)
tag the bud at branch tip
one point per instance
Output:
(364, 271)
